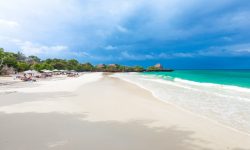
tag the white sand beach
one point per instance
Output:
(101, 112)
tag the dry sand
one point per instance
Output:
(104, 113)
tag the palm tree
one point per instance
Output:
(1, 56)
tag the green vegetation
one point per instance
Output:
(153, 68)
(19, 63)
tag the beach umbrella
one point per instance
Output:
(47, 71)
(55, 70)
(43, 70)
(30, 72)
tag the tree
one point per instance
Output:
(37, 67)
(100, 67)
(10, 59)
(138, 69)
(72, 64)
(113, 68)
(33, 59)
(22, 66)
(46, 66)
(20, 56)
(59, 65)
(153, 68)
(86, 67)
(18, 61)
(1, 56)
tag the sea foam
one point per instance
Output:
(227, 105)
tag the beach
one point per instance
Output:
(107, 112)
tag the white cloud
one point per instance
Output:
(129, 56)
(222, 51)
(86, 22)
(8, 23)
(240, 48)
(110, 47)
(121, 29)
(79, 54)
(29, 48)
(91, 24)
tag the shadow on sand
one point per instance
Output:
(33, 131)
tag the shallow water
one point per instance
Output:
(239, 78)
(228, 105)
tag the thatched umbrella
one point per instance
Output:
(30, 72)
(47, 71)
(43, 70)
(55, 70)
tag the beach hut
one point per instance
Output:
(100, 66)
(113, 65)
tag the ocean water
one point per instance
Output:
(222, 96)
(239, 78)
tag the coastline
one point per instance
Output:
(228, 107)
(231, 79)
(113, 112)
(186, 110)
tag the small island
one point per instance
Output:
(158, 68)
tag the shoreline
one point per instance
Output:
(207, 94)
(207, 84)
(132, 111)
(190, 112)
(231, 79)
(185, 110)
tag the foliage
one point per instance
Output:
(10, 59)
(1, 57)
(33, 60)
(153, 68)
(19, 62)
(86, 67)
(20, 56)
(138, 69)
(72, 64)
(22, 66)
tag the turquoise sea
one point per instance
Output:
(240, 78)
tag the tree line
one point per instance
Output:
(19, 63)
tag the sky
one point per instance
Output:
(193, 34)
